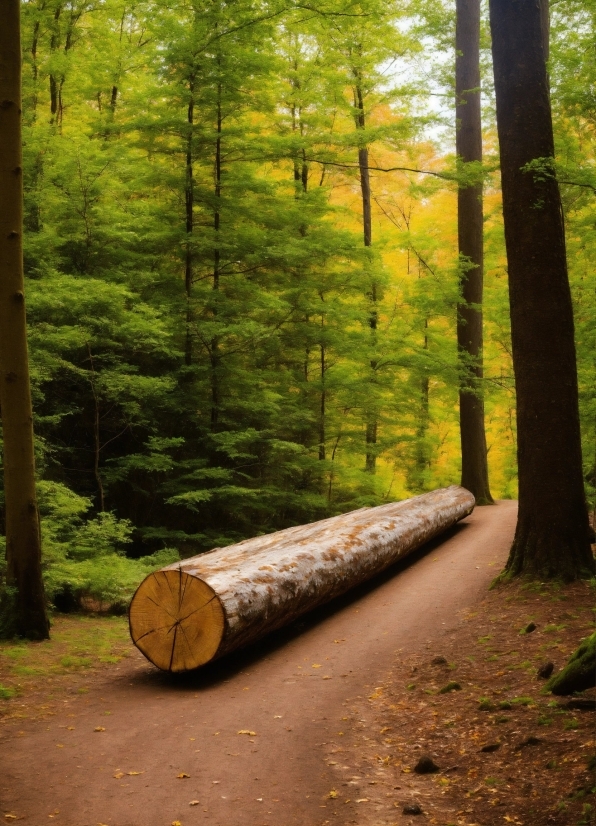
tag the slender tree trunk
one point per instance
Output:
(422, 453)
(189, 207)
(215, 354)
(35, 68)
(54, 41)
(552, 536)
(468, 142)
(323, 398)
(96, 435)
(23, 541)
(331, 474)
(360, 119)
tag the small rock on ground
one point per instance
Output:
(438, 661)
(426, 765)
(411, 809)
(545, 671)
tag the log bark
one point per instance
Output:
(202, 608)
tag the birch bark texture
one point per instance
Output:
(23, 541)
(197, 610)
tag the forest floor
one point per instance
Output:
(339, 716)
(508, 752)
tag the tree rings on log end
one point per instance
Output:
(176, 620)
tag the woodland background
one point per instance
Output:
(199, 293)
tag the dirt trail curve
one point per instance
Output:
(290, 690)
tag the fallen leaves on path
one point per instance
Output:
(246, 731)
(182, 775)
(509, 755)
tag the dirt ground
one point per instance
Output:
(324, 722)
(507, 751)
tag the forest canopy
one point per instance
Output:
(221, 346)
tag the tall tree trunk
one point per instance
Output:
(422, 452)
(23, 541)
(54, 42)
(96, 434)
(552, 538)
(189, 207)
(360, 119)
(468, 143)
(323, 398)
(214, 350)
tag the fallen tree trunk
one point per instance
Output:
(201, 608)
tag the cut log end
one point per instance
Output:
(176, 620)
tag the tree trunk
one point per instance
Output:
(54, 41)
(189, 199)
(215, 356)
(468, 144)
(323, 398)
(360, 119)
(190, 613)
(552, 537)
(23, 541)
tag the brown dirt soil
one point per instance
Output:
(508, 752)
(317, 724)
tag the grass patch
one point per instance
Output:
(78, 644)
(522, 701)
(451, 686)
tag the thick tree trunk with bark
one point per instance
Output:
(23, 541)
(552, 538)
(190, 613)
(468, 143)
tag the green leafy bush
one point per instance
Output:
(84, 561)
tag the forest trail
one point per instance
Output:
(165, 742)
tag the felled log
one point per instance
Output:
(191, 612)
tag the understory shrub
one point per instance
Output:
(84, 560)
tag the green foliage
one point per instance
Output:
(199, 297)
(83, 559)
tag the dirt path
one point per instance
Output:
(291, 690)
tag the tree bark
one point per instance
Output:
(23, 541)
(468, 144)
(214, 351)
(190, 613)
(363, 168)
(552, 538)
(189, 200)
